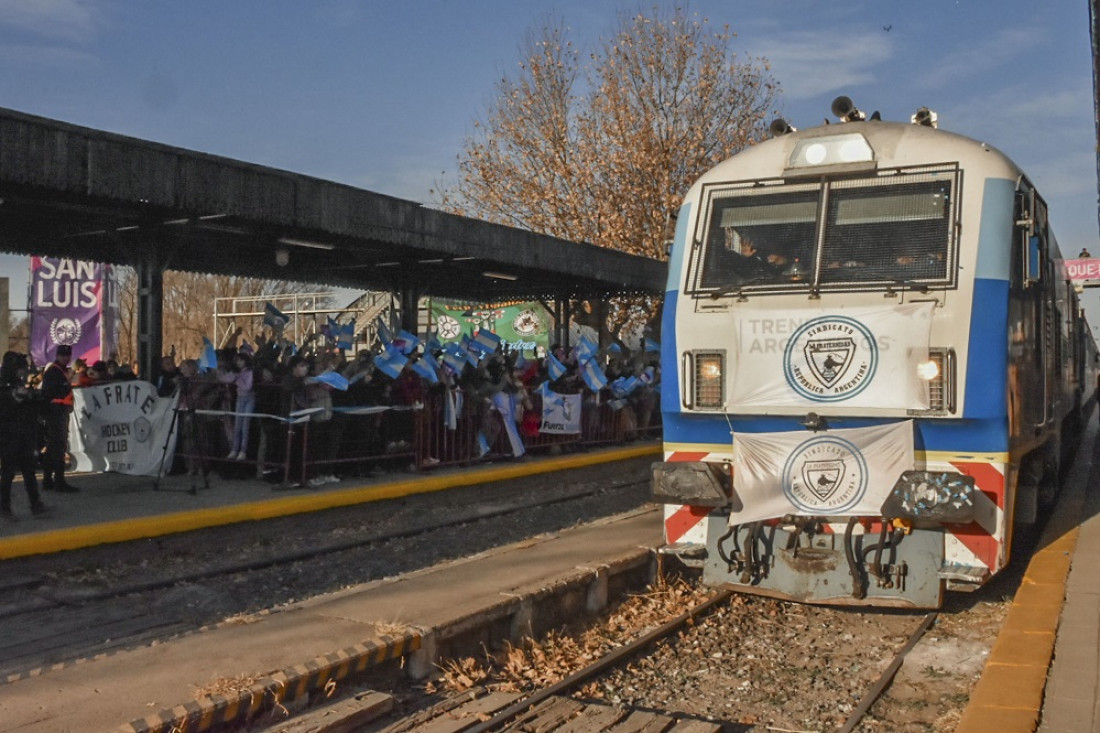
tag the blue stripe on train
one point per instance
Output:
(670, 392)
(966, 436)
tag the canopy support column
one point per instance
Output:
(150, 307)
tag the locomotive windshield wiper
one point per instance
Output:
(736, 289)
(905, 285)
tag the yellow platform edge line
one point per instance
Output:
(126, 530)
(990, 700)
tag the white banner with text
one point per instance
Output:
(123, 427)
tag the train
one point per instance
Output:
(875, 366)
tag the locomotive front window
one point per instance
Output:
(897, 232)
(754, 238)
(892, 230)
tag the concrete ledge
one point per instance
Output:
(585, 591)
(290, 685)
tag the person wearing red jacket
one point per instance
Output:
(57, 393)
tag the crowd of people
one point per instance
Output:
(249, 402)
(34, 427)
(237, 409)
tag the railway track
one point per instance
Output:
(563, 707)
(49, 623)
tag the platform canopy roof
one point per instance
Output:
(70, 191)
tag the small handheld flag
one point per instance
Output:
(332, 379)
(426, 370)
(384, 333)
(274, 317)
(486, 341)
(554, 368)
(391, 362)
(406, 341)
(593, 375)
(345, 335)
(208, 359)
(584, 350)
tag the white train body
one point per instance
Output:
(874, 366)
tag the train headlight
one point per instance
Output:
(928, 370)
(710, 384)
(939, 372)
(833, 150)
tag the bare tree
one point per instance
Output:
(662, 101)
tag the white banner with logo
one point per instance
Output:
(862, 357)
(561, 413)
(122, 426)
(832, 473)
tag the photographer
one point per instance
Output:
(19, 408)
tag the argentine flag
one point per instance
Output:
(454, 358)
(332, 379)
(274, 317)
(345, 335)
(406, 341)
(391, 361)
(426, 370)
(208, 359)
(585, 350)
(384, 333)
(554, 368)
(486, 341)
(593, 375)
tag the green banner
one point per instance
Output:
(522, 326)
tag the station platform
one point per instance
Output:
(113, 507)
(1043, 672)
(283, 656)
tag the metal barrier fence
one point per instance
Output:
(448, 429)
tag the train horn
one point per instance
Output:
(779, 126)
(926, 117)
(846, 110)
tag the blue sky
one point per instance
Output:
(381, 94)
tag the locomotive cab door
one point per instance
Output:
(1031, 351)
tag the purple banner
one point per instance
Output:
(66, 301)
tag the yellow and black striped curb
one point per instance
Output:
(280, 688)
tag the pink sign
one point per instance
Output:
(1083, 269)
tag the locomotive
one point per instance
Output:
(875, 365)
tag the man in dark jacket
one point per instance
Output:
(18, 416)
(57, 394)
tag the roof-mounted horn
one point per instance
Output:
(926, 117)
(780, 126)
(846, 110)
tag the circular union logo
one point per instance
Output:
(142, 429)
(825, 475)
(830, 359)
(449, 328)
(526, 323)
(65, 331)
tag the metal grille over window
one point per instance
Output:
(710, 386)
(758, 238)
(894, 230)
(888, 230)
